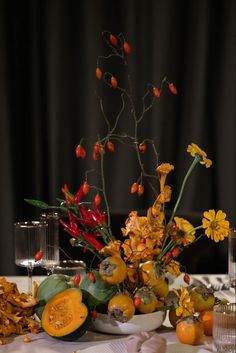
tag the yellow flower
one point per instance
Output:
(186, 227)
(186, 307)
(206, 161)
(174, 268)
(217, 227)
(194, 150)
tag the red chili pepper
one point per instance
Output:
(91, 277)
(127, 48)
(76, 280)
(79, 195)
(38, 256)
(92, 241)
(114, 82)
(69, 197)
(156, 92)
(74, 232)
(113, 40)
(73, 224)
(172, 88)
(98, 73)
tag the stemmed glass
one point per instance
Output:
(30, 245)
(51, 256)
(232, 259)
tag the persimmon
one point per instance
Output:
(173, 318)
(150, 277)
(189, 330)
(121, 307)
(202, 298)
(113, 270)
(206, 317)
(148, 302)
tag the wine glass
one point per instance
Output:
(30, 245)
(51, 256)
(232, 259)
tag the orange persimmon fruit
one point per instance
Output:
(206, 317)
(189, 330)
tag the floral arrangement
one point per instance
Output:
(133, 268)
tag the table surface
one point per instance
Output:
(105, 343)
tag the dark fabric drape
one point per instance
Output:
(49, 100)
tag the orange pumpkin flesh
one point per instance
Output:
(65, 316)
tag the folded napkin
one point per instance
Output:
(146, 342)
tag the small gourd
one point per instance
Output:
(65, 316)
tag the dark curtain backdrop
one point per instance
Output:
(49, 100)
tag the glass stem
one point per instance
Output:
(30, 272)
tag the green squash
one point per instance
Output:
(97, 292)
(49, 287)
(65, 316)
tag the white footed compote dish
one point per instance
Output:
(138, 323)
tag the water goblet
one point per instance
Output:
(232, 259)
(30, 239)
(224, 327)
(51, 256)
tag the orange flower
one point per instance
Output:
(112, 248)
(164, 169)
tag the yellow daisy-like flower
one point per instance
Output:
(206, 161)
(194, 150)
(186, 227)
(173, 267)
(186, 307)
(215, 225)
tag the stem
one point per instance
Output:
(194, 163)
(30, 272)
(105, 195)
(164, 251)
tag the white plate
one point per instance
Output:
(138, 323)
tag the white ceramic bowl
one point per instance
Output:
(138, 323)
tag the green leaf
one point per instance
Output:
(37, 203)
(96, 292)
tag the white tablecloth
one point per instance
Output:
(101, 343)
